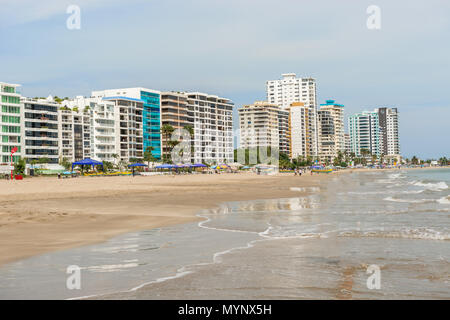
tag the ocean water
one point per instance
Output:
(315, 246)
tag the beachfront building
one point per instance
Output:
(41, 133)
(283, 131)
(289, 89)
(175, 113)
(213, 128)
(388, 118)
(259, 125)
(377, 132)
(151, 113)
(128, 126)
(365, 133)
(302, 131)
(330, 130)
(74, 131)
(102, 129)
(11, 123)
(348, 148)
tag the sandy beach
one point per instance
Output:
(40, 215)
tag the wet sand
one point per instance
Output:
(40, 215)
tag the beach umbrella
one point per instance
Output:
(198, 165)
(137, 165)
(165, 166)
(88, 162)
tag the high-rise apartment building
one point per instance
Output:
(175, 112)
(259, 125)
(302, 131)
(388, 118)
(289, 89)
(375, 131)
(11, 122)
(129, 132)
(74, 132)
(41, 133)
(213, 127)
(151, 113)
(102, 126)
(330, 130)
(283, 131)
(348, 147)
(365, 133)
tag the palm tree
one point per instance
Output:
(443, 161)
(148, 155)
(166, 131)
(414, 160)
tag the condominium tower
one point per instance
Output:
(99, 129)
(259, 125)
(175, 113)
(330, 130)
(375, 131)
(388, 118)
(213, 127)
(289, 89)
(302, 131)
(41, 133)
(151, 113)
(11, 122)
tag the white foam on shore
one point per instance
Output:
(305, 189)
(408, 200)
(438, 186)
(423, 234)
(444, 200)
(110, 267)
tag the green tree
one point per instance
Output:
(166, 132)
(107, 166)
(19, 166)
(148, 155)
(65, 163)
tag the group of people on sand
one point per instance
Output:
(299, 171)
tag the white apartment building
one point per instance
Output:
(348, 147)
(376, 131)
(259, 125)
(302, 131)
(289, 89)
(128, 127)
(11, 122)
(365, 133)
(213, 128)
(102, 128)
(330, 130)
(41, 133)
(150, 115)
(74, 131)
(388, 118)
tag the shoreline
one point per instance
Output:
(42, 215)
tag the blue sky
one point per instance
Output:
(231, 48)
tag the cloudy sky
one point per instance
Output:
(232, 47)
